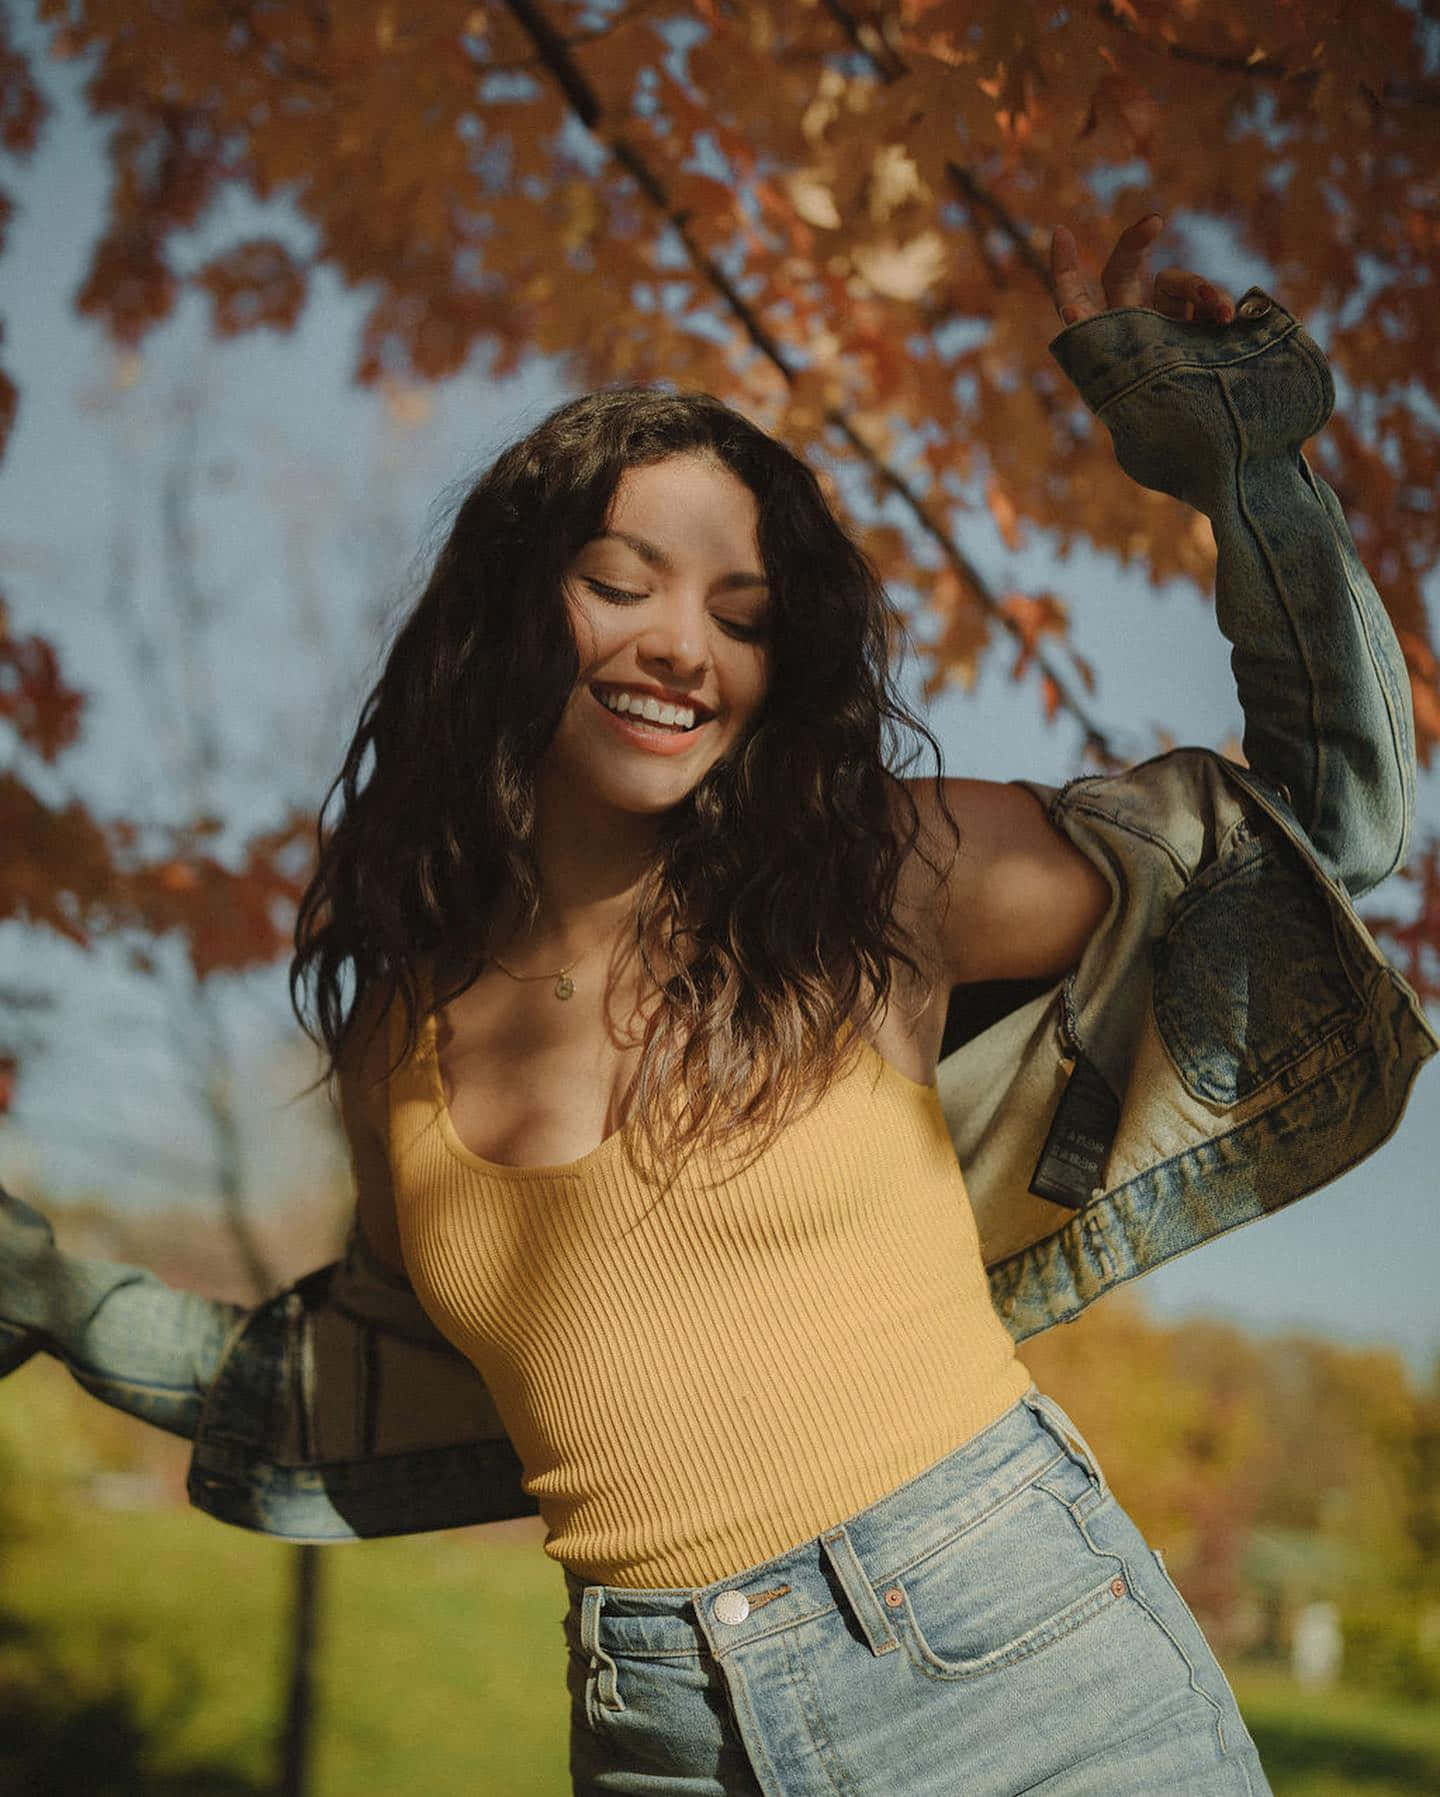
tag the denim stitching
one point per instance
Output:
(1149, 1609)
(1186, 363)
(810, 1708)
(761, 1764)
(1315, 736)
(899, 1572)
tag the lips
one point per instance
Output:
(702, 712)
(657, 741)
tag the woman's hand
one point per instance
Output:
(1178, 292)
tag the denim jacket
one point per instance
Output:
(1230, 1040)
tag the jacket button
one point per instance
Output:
(731, 1606)
(1254, 307)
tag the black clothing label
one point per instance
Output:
(1072, 1162)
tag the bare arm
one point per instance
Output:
(1017, 901)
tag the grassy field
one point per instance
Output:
(442, 1673)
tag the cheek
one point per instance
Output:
(584, 628)
(759, 682)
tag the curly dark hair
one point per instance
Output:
(781, 866)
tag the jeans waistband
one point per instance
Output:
(861, 1555)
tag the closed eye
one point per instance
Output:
(745, 633)
(618, 594)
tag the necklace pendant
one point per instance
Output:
(564, 986)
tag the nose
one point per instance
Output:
(676, 638)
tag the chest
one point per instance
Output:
(531, 1080)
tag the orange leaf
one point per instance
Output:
(254, 283)
(44, 712)
(1002, 510)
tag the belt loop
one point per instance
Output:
(602, 1684)
(854, 1582)
(1065, 1432)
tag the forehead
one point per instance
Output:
(687, 504)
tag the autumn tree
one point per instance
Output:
(833, 214)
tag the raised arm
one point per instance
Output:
(1214, 411)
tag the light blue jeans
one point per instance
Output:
(996, 1625)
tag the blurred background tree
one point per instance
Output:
(832, 214)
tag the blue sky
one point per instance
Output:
(313, 506)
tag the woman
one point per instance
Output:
(647, 985)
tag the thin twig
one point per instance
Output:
(1262, 67)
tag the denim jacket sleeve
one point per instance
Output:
(1216, 415)
(135, 1342)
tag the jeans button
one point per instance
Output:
(731, 1606)
(1254, 307)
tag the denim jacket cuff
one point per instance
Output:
(1215, 415)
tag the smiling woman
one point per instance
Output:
(634, 728)
(703, 1187)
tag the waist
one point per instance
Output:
(732, 1476)
(862, 1554)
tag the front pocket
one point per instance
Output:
(1036, 1640)
(1008, 1588)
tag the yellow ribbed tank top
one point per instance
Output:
(697, 1380)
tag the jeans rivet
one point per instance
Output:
(1117, 1586)
(895, 1597)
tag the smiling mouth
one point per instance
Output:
(652, 726)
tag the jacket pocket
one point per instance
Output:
(1249, 976)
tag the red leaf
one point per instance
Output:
(253, 284)
(44, 712)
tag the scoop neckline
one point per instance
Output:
(574, 1168)
(502, 1169)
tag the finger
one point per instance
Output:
(1181, 293)
(1123, 276)
(1073, 299)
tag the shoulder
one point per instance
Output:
(363, 1058)
(1013, 898)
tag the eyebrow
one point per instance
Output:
(657, 558)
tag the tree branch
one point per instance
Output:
(585, 104)
(1262, 67)
(868, 38)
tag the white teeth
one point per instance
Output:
(680, 717)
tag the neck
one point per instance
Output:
(590, 880)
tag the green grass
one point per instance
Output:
(1339, 1743)
(442, 1667)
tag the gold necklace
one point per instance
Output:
(564, 985)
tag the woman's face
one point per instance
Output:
(669, 606)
